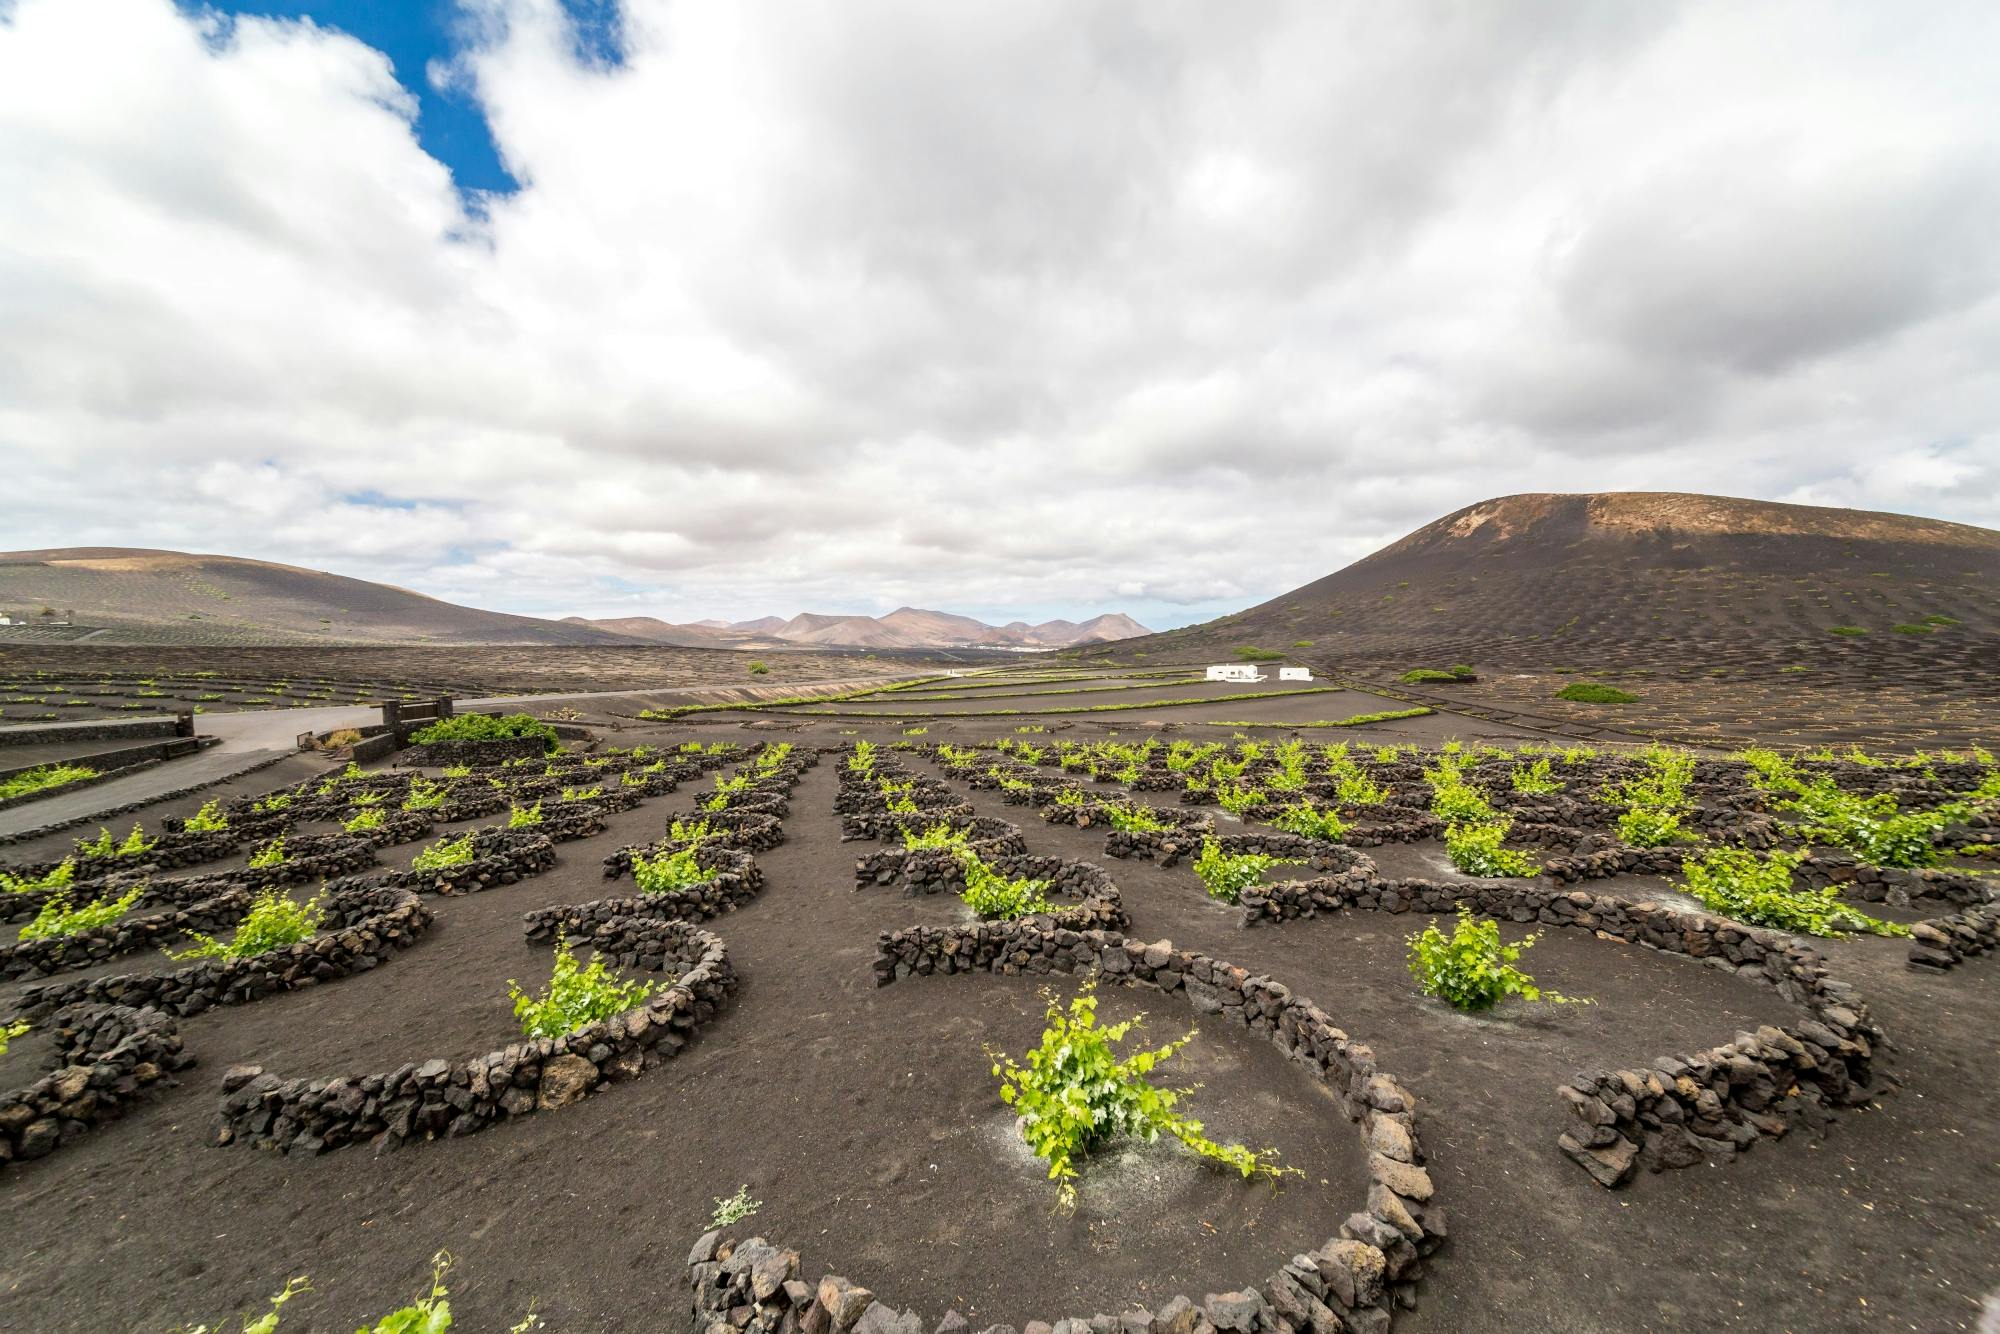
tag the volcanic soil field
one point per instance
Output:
(1743, 1128)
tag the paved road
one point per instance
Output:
(250, 737)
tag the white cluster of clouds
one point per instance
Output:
(1039, 308)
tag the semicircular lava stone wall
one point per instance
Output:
(106, 1058)
(366, 925)
(1351, 1282)
(425, 1100)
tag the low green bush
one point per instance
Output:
(60, 917)
(443, 853)
(1846, 630)
(1310, 821)
(524, 817)
(273, 922)
(575, 997)
(1738, 883)
(486, 727)
(208, 820)
(58, 878)
(670, 872)
(1226, 877)
(44, 778)
(1470, 969)
(271, 854)
(1000, 897)
(1076, 1095)
(1590, 692)
(1479, 849)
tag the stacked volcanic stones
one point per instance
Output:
(1618, 859)
(1380, 1248)
(1889, 884)
(421, 1101)
(500, 857)
(1944, 942)
(105, 1058)
(50, 955)
(737, 879)
(366, 924)
(1739, 1091)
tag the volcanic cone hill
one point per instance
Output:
(1813, 605)
(135, 595)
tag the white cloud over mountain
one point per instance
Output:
(1037, 309)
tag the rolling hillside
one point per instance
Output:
(1712, 610)
(145, 596)
(904, 628)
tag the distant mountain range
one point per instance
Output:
(904, 628)
(148, 596)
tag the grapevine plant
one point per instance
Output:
(1470, 969)
(273, 922)
(1226, 876)
(1075, 1095)
(60, 917)
(1759, 890)
(576, 997)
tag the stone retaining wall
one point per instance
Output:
(1350, 1283)
(1683, 1109)
(366, 925)
(422, 1101)
(738, 879)
(106, 1057)
(50, 955)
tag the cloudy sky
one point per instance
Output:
(1050, 307)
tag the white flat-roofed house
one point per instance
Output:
(1295, 674)
(1236, 671)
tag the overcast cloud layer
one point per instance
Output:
(1034, 308)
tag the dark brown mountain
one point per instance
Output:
(178, 597)
(1640, 570)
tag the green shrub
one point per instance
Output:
(1470, 969)
(670, 872)
(136, 844)
(425, 796)
(271, 854)
(1535, 779)
(758, 668)
(1000, 897)
(523, 817)
(1479, 849)
(1251, 653)
(691, 831)
(44, 778)
(485, 727)
(1237, 799)
(273, 922)
(1738, 883)
(369, 818)
(1913, 629)
(59, 917)
(735, 1209)
(863, 759)
(208, 820)
(1310, 821)
(1455, 673)
(8, 1032)
(1870, 827)
(443, 853)
(1590, 692)
(1136, 819)
(59, 878)
(1226, 877)
(1076, 1095)
(575, 997)
(936, 836)
(1846, 630)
